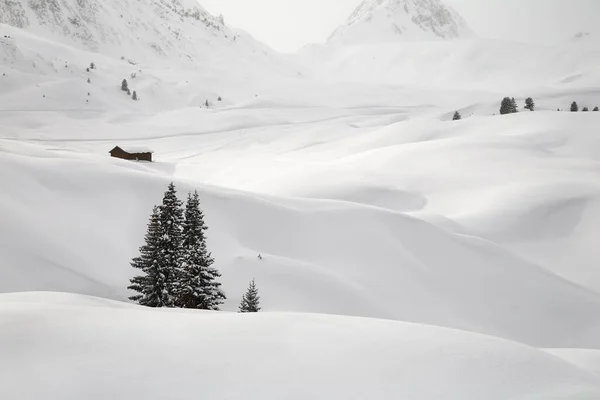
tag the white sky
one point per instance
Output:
(287, 25)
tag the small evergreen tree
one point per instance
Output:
(150, 285)
(197, 285)
(456, 116)
(206, 104)
(128, 92)
(92, 66)
(513, 106)
(134, 97)
(250, 300)
(529, 104)
(506, 106)
(585, 109)
(87, 70)
(124, 85)
(596, 109)
(89, 80)
(574, 107)
(219, 99)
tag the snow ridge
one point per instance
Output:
(376, 21)
(116, 27)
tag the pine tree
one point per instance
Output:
(134, 97)
(89, 80)
(513, 106)
(206, 104)
(219, 99)
(585, 109)
(150, 285)
(197, 285)
(506, 106)
(596, 109)
(92, 66)
(529, 104)
(456, 116)
(169, 243)
(574, 107)
(250, 300)
(124, 85)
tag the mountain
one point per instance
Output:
(167, 28)
(174, 53)
(171, 32)
(377, 21)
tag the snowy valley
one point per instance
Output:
(403, 254)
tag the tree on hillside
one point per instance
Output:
(596, 109)
(196, 284)
(585, 109)
(92, 65)
(529, 104)
(456, 116)
(150, 286)
(574, 107)
(506, 107)
(124, 85)
(250, 300)
(219, 99)
(169, 242)
(134, 97)
(206, 104)
(513, 106)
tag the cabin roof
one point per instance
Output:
(133, 149)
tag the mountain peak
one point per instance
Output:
(376, 21)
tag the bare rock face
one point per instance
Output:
(376, 21)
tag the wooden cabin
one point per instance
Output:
(131, 153)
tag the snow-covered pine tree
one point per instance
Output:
(585, 109)
(529, 104)
(197, 285)
(169, 243)
(513, 106)
(250, 300)
(596, 109)
(149, 285)
(574, 107)
(124, 85)
(456, 116)
(506, 106)
(134, 96)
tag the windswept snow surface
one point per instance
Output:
(343, 169)
(262, 356)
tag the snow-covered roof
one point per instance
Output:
(136, 149)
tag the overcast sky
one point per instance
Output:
(287, 25)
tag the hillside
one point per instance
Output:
(116, 350)
(380, 21)
(454, 259)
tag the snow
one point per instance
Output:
(229, 356)
(430, 258)
(377, 21)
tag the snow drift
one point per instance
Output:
(106, 350)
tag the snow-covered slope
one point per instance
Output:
(180, 31)
(351, 181)
(73, 347)
(377, 21)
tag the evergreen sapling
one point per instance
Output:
(250, 300)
